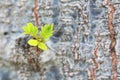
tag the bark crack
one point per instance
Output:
(112, 38)
(92, 71)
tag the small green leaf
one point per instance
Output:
(33, 42)
(46, 31)
(30, 29)
(25, 29)
(42, 46)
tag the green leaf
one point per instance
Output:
(47, 31)
(30, 29)
(42, 46)
(33, 42)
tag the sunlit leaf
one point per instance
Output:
(46, 31)
(42, 46)
(25, 29)
(33, 42)
(30, 29)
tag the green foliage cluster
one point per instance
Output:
(39, 37)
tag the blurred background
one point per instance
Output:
(78, 50)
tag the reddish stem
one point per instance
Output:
(35, 10)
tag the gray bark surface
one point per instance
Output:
(80, 49)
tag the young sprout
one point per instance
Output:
(38, 38)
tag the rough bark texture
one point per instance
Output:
(85, 44)
(112, 38)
